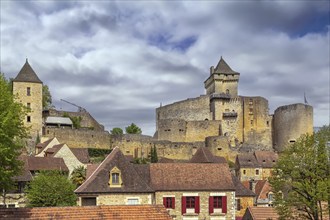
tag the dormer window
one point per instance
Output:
(115, 179)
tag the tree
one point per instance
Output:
(12, 132)
(117, 131)
(50, 188)
(133, 129)
(301, 178)
(46, 97)
(153, 155)
(78, 175)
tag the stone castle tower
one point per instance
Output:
(28, 89)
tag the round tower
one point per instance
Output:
(28, 90)
(290, 122)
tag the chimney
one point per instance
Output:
(211, 70)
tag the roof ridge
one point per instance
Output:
(27, 74)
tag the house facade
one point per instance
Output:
(188, 190)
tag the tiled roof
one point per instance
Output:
(136, 212)
(58, 120)
(204, 155)
(90, 169)
(98, 181)
(190, 176)
(267, 159)
(27, 74)
(260, 213)
(44, 144)
(54, 149)
(264, 159)
(223, 67)
(81, 154)
(45, 163)
(240, 189)
(262, 189)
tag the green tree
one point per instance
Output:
(133, 129)
(12, 132)
(46, 98)
(301, 178)
(153, 155)
(51, 188)
(117, 131)
(78, 175)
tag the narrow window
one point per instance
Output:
(238, 204)
(244, 172)
(28, 105)
(257, 172)
(28, 119)
(217, 202)
(190, 202)
(267, 123)
(28, 91)
(227, 91)
(169, 202)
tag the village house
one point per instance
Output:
(263, 191)
(187, 190)
(255, 166)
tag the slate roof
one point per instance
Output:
(223, 67)
(116, 212)
(58, 120)
(44, 144)
(264, 159)
(90, 169)
(262, 189)
(54, 149)
(190, 176)
(260, 213)
(98, 181)
(204, 155)
(241, 190)
(27, 74)
(81, 154)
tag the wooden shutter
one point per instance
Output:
(211, 208)
(164, 202)
(224, 204)
(173, 203)
(183, 205)
(196, 204)
(238, 204)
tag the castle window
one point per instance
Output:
(28, 105)
(257, 172)
(28, 91)
(227, 91)
(251, 122)
(292, 141)
(115, 179)
(28, 119)
(267, 123)
(244, 172)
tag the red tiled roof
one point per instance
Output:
(262, 189)
(122, 212)
(260, 213)
(190, 176)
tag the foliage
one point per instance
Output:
(140, 160)
(76, 120)
(98, 155)
(50, 188)
(117, 131)
(78, 175)
(153, 155)
(133, 129)
(46, 98)
(301, 177)
(12, 131)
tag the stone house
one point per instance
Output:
(187, 190)
(32, 165)
(255, 166)
(263, 190)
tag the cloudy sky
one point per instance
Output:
(120, 60)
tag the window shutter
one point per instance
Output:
(211, 208)
(183, 205)
(238, 202)
(197, 204)
(224, 204)
(164, 201)
(173, 203)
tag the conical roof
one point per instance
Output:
(223, 67)
(27, 74)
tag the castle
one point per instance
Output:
(221, 120)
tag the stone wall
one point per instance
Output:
(290, 122)
(80, 138)
(87, 119)
(250, 173)
(121, 198)
(245, 203)
(204, 204)
(18, 200)
(69, 158)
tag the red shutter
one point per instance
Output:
(183, 205)
(211, 208)
(173, 203)
(224, 204)
(164, 202)
(196, 204)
